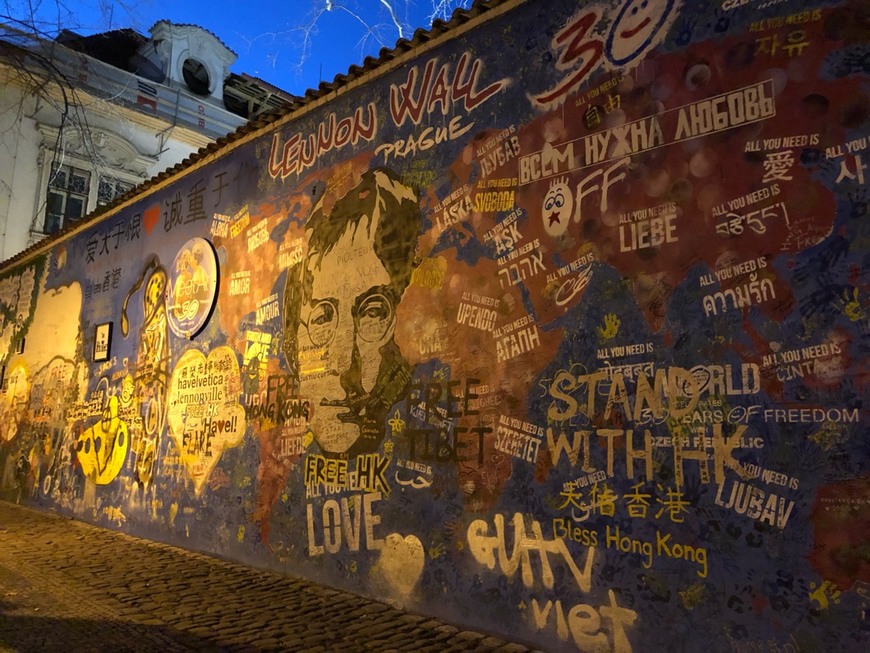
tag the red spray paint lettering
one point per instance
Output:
(409, 100)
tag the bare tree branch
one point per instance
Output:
(443, 9)
(399, 26)
(381, 24)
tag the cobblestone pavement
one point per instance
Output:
(121, 593)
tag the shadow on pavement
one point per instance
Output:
(31, 633)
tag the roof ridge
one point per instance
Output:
(206, 30)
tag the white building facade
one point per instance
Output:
(84, 119)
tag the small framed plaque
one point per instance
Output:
(102, 342)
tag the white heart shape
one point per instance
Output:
(401, 562)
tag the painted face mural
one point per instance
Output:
(558, 208)
(340, 336)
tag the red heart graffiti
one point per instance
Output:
(151, 217)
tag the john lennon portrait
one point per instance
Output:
(340, 311)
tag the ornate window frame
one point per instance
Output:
(105, 155)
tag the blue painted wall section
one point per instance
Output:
(558, 330)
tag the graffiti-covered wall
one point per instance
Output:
(555, 326)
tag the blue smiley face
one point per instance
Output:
(636, 27)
